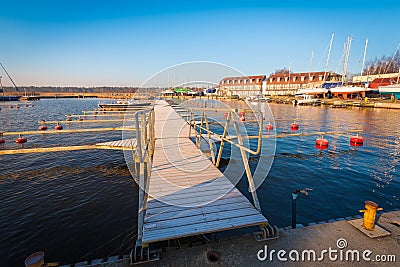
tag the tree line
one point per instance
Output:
(385, 64)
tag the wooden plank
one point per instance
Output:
(105, 145)
(84, 121)
(201, 218)
(202, 228)
(186, 184)
(125, 143)
(92, 115)
(45, 149)
(190, 212)
(70, 131)
(156, 204)
(188, 191)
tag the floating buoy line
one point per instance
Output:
(320, 143)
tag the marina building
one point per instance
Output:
(370, 78)
(288, 83)
(244, 86)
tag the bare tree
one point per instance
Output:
(385, 64)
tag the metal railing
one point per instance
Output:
(231, 118)
(143, 154)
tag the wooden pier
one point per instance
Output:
(187, 194)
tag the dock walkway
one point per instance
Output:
(188, 195)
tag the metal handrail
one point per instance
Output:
(145, 143)
(198, 129)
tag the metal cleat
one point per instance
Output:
(267, 232)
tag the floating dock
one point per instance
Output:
(188, 195)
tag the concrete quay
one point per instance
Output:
(335, 243)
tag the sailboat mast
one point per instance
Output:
(16, 88)
(312, 56)
(365, 53)
(347, 46)
(329, 55)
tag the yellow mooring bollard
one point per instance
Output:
(369, 215)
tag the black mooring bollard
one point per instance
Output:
(295, 194)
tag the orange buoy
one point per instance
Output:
(321, 143)
(43, 128)
(58, 127)
(294, 126)
(21, 140)
(242, 118)
(269, 127)
(356, 141)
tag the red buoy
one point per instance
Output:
(58, 127)
(80, 119)
(21, 140)
(241, 114)
(321, 143)
(68, 119)
(356, 141)
(294, 126)
(2, 141)
(11, 106)
(226, 115)
(242, 118)
(43, 128)
(95, 112)
(16, 106)
(269, 127)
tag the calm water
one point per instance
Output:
(82, 205)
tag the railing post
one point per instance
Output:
(221, 147)
(210, 144)
(247, 167)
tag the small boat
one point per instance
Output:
(393, 89)
(29, 97)
(307, 100)
(258, 98)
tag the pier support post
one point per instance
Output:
(295, 194)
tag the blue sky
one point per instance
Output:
(122, 43)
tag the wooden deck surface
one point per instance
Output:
(188, 195)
